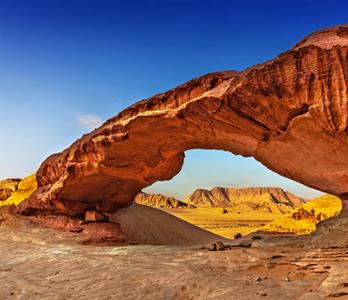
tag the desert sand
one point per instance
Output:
(224, 224)
(39, 263)
(146, 225)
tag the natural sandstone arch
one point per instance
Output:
(289, 113)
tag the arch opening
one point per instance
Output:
(231, 195)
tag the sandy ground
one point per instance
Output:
(224, 224)
(148, 225)
(42, 264)
(39, 263)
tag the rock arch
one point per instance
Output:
(289, 113)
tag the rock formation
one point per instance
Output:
(289, 113)
(303, 220)
(8, 187)
(158, 200)
(272, 200)
(14, 191)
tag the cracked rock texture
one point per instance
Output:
(289, 113)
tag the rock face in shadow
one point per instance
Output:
(289, 113)
(272, 200)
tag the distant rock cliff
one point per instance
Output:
(272, 200)
(303, 220)
(158, 200)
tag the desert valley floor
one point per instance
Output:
(41, 263)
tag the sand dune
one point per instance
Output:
(147, 225)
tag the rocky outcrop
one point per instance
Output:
(289, 113)
(332, 232)
(14, 191)
(8, 187)
(158, 200)
(272, 200)
(303, 220)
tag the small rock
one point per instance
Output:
(287, 278)
(211, 247)
(219, 246)
(94, 216)
(258, 278)
(245, 244)
(77, 230)
(237, 236)
(261, 294)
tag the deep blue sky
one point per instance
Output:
(66, 65)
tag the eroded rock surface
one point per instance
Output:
(289, 113)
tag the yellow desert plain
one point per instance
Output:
(227, 223)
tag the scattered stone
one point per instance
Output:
(237, 236)
(82, 222)
(211, 247)
(94, 216)
(261, 294)
(77, 230)
(244, 244)
(219, 246)
(277, 256)
(258, 278)
(224, 211)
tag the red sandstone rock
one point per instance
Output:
(94, 216)
(289, 113)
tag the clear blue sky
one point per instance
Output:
(67, 65)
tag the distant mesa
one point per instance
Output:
(272, 200)
(253, 199)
